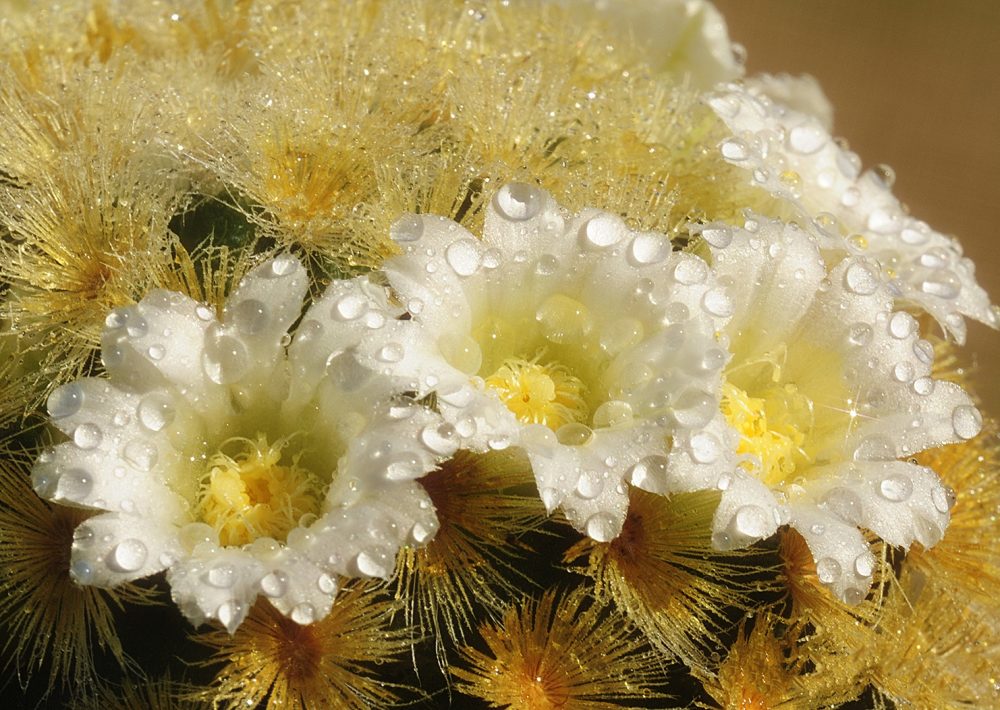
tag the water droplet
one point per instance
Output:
(807, 139)
(390, 352)
(574, 434)
(440, 438)
(83, 536)
(326, 584)
(408, 228)
(250, 316)
(155, 411)
(127, 556)
(620, 334)
(346, 372)
(913, 237)
(274, 584)
(717, 302)
(752, 521)
(369, 566)
(406, 465)
(350, 306)
(226, 613)
(943, 498)
(225, 358)
(903, 371)
(613, 413)
(550, 497)
(885, 175)
(705, 447)
(896, 488)
(649, 473)
(828, 570)
(928, 532)
(717, 237)
(923, 386)
(563, 319)
(734, 149)
(648, 248)
(463, 256)
(604, 230)
(864, 564)
(590, 485)
(88, 436)
(65, 400)
(221, 576)
(694, 409)
(817, 529)
(140, 454)
(943, 284)
(861, 279)
(690, 271)
(967, 421)
(902, 325)
(282, 266)
(518, 202)
(724, 482)
(601, 527)
(204, 313)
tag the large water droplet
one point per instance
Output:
(752, 521)
(390, 352)
(844, 503)
(902, 325)
(590, 485)
(564, 319)
(408, 228)
(613, 413)
(282, 266)
(464, 256)
(734, 149)
(221, 576)
(461, 351)
(967, 421)
(828, 570)
(326, 584)
(518, 202)
(604, 230)
(601, 527)
(439, 438)
(876, 447)
(648, 248)
(350, 306)
(690, 271)
(225, 359)
(718, 237)
(74, 485)
(274, 584)
(156, 411)
(896, 488)
(807, 139)
(368, 565)
(405, 465)
(250, 316)
(128, 556)
(861, 279)
(717, 302)
(346, 372)
(649, 473)
(943, 284)
(943, 498)
(65, 400)
(705, 447)
(574, 434)
(88, 436)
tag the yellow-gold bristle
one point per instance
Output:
(331, 663)
(560, 653)
(475, 556)
(664, 575)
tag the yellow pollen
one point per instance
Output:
(769, 429)
(540, 394)
(252, 495)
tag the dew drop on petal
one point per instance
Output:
(461, 351)
(717, 302)
(282, 266)
(717, 237)
(250, 316)
(574, 434)
(924, 351)
(844, 503)
(705, 447)
(752, 521)
(65, 400)
(194, 534)
(875, 447)
(828, 570)
(601, 527)
(604, 230)
(967, 421)
(404, 466)
(390, 352)
(648, 248)
(274, 584)
(734, 149)
(155, 411)
(896, 488)
(649, 472)
(221, 576)
(226, 613)
(224, 359)
(326, 584)
(590, 485)
(859, 334)
(613, 413)
(806, 139)
(88, 436)
(464, 256)
(128, 556)
(861, 279)
(864, 564)
(943, 498)
(439, 438)
(901, 325)
(690, 271)
(350, 306)
(408, 228)
(369, 566)
(518, 201)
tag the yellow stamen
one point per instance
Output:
(540, 394)
(253, 495)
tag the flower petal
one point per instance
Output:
(216, 583)
(114, 548)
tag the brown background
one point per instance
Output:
(915, 84)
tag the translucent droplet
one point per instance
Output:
(649, 473)
(408, 228)
(613, 413)
(844, 503)
(752, 521)
(902, 325)
(250, 316)
(221, 576)
(807, 139)
(590, 485)
(604, 230)
(717, 302)
(601, 527)
(204, 312)
(923, 386)
(463, 256)
(88, 436)
(717, 237)
(369, 566)
(404, 466)
(156, 411)
(924, 351)
(621, 333)
(690, 271)
(724, 482)
(864, 564)
(705, 447)
(225, 358)
(140, 454)
(127, 556)
(648, 248)
(226, 613)
(861, 279)
(282, 266)
(326, 584)
(828, 570)
(903, 371)
(274, 584)
(390, 352)
(65, 400)
(518, 202)
(574, 434)
(943, 498)
(884, 174)
(876, 447)
(421, 533)
(943, 284)
(346, 372)
(546, 265)
(439, 438)
(694, 409)
(564, 319)
(734, 149)
(194, 534)
(896, 488)
(350, 306)
(967, 421)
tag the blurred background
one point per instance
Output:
(914, 84)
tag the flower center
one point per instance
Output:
(252, 495)
(540, 394)
(769, 427)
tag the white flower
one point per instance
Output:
(792, 156)
(828, 388)
(585, 343)
(215, 456)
